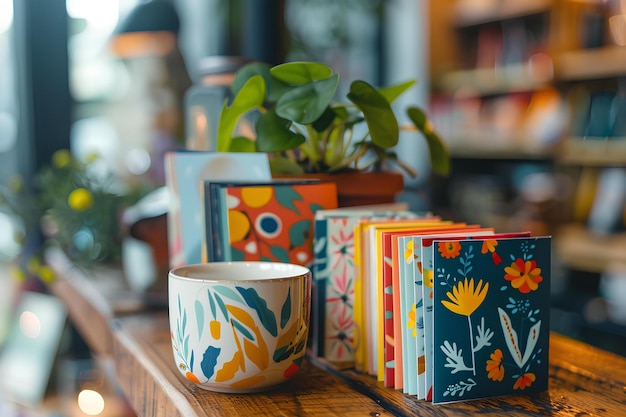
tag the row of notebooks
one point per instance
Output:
(441, 310)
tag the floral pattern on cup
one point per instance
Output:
(255, 340)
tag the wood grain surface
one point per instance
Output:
(147, 373)
(584, 381)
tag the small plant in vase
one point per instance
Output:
(304, 130)
(298, 122)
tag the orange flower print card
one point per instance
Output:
(490, 317)
(273, 222)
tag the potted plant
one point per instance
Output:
(298, 122)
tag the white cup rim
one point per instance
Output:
(266, 271)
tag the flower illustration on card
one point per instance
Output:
(494, 367)
(523, 275)
(489, 246)
(524, 381)
(449, 250)
(466, 297)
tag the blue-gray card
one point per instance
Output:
(491, 317)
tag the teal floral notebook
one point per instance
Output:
(491, 317)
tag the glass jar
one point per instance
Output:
(204, 100)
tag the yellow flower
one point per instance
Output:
(412, 320)
(16, 183)
(46, 274)
(80, 199)
(465, 299)
(92, 157)
(61, 158)
(429, 277)
(33, 265)
(17, 273)
(408, 252)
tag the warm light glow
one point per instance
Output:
(138, 44)
(617, 24)
(90, 402)
(6, 15)
(30, 325)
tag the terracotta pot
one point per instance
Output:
(361, 188)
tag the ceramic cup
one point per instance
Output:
(239, 326)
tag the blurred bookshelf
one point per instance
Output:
(587, 64)
(531, 99)
(592, 151)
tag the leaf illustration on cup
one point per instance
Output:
(253, 300)
(209, 360)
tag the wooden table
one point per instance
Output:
(584, 381)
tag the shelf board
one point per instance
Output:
(592, 151)
(500, 10)
(491, 81)
(472, 145)
(581, 249)
(587, 64)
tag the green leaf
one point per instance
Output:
(212, 305)
(250, 97)
(245, 332)
(282, 165)
(209, 360)
(274, 135)
(325, 120)
(299, 232)
(248, 71)
(222, 307)
(394, 91)
(315, 207)
(301, 72)
(199, 317)
(285, 311)
(286, 198)
(307, 102)
(253, 300)
(380, 119)
(279, 253)
(439, 156)
(274, 87)
(301, 345)
(242, 144)
(228, 292)
(281, 353)
(237, 255)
